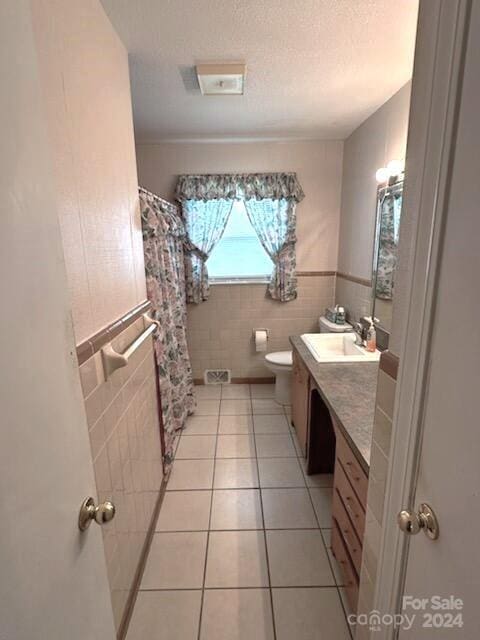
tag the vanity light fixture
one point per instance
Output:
(221, 79)
(393, 168)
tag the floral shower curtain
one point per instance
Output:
(163, 238)
(270, 201)
(390, 210)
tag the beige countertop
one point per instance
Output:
(348, 389)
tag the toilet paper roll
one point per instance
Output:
(261, 338)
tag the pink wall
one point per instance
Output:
(317, 163)
(86, 87)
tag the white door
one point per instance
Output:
(449, 473)
(53, 582)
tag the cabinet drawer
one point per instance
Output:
(349, 499)
(350, 538)
(355, 474)
(348, 572)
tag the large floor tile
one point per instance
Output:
(236, 446)
(262, 390)
(184, 511)
(235, 391)
(237, 407)
(207, 391)
(201, 425)
(265, 423)
(316, 479)
(175, 561)
(266, 405)
(298, 558)
(275, 446)
(309, 614)
(287, 509)
(322, 503)
(166, 615)
(191, 447)
(236, 559)
(237, 614)
(234, 473)
(191, 474)
(280, 472)
(207, 408)
(236, 509)
(233, 425)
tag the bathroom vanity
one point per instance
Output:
(332, 412)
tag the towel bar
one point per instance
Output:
(112, 360)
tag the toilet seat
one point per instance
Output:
(280, 358)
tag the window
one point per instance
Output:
(239, 253)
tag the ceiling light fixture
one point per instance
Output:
(394, 168)
(221, 79)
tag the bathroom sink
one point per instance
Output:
(337, 347)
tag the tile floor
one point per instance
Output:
(242, 543)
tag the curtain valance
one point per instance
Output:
(248, 186)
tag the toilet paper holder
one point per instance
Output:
(260, 329)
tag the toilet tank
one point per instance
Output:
(326, 326)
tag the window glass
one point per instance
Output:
(239, 253)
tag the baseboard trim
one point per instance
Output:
(132, 598)
(269, 380)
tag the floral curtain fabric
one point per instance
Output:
(205, 222)
(390, 210)
(274, 222)
(163, 238)
(275, 186)
(270, 200)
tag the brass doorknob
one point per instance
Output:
(424, 519)
(102, 513)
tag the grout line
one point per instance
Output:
(202, 599)
(239, 530)
(304, 586)
(264, 530)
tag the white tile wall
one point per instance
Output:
(125, 442)
(220, 330)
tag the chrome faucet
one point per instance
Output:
(358, 331)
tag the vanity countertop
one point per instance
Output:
(348, 389)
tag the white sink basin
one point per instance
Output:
(337, 347)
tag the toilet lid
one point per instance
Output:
(280, 358)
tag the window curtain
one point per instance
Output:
(205, 223)
(163, 238)
(387, 245)
(274, 222)
(270, 201)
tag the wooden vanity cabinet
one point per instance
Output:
(300, 399)
(350, 486)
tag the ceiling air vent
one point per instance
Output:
(221, 79)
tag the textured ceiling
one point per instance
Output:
(315, 68)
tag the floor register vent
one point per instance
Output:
(217, 376)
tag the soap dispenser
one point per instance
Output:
(371, 342)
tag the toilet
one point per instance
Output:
(280, 362)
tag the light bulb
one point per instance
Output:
(382, 175)
(395, 167)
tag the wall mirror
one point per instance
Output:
(389, 207)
